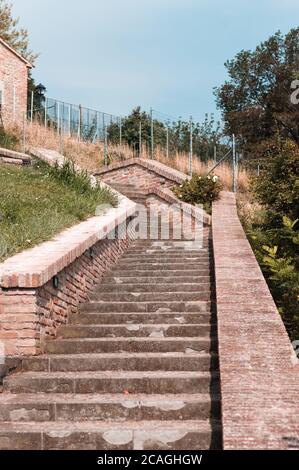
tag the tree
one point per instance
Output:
(255, 100)
(205, 136)
(11, 33)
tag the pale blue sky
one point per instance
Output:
(112, 55)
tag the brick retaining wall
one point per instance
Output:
(31, 307)
(259, 370)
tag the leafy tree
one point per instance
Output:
(11, 33)
(277, 187)
(255, 100)
(205, 135)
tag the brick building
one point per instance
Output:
(13, 83)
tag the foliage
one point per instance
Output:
(199, 190)
(277, 253)
(277, 187)
(39, 201)
(255, 101)
(39, 97)
(205, 135)
(11, 33)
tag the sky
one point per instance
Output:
(113, 55)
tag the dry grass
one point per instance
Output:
(86, 154)
(180, 161)
(91, 156)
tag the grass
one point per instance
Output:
(91, 156)
(38, 202)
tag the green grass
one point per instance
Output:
(37, 202)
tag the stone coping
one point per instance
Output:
(11, 154)
(34, 267)
(163, 170)
(258, 368)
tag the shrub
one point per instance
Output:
(277, 187)
(200, 190)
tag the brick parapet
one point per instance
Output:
(258, 367)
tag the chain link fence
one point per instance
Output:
(154, 135)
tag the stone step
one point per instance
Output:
(154, 280)
(99, 296)
(42, 407)
(129, 344)
(126, 382)
(137, 318)
(154, 331)
(173, 273)
(138, 306)
(161, 265)
(190, 361)
(117, 287)
(166, 257)
(95, 435)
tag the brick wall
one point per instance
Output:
(13, 83)
(28, 317)
(259, 371)
(136, 176)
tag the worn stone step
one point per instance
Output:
(166, 257)
(136, 296)
(167, 250)
(167, 265)
(138, 306)
(189, 361)
(129, 344)
(153, 273)
(154, 331)
(153, 280)
(113, 287)
(137, 318)
(126, 382)
(95, 435)
(42, 407)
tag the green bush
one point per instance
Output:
(277, 187)
(200, 190)
(277, 253)
(275, 236)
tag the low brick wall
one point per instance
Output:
(40, 288)
(142, 173)
(258, 367)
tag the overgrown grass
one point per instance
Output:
(91, 156)
(38, 202)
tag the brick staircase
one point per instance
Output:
(137, 368)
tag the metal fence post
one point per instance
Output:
(234, 165)
(46, 110)
(58, 116)
(105, 146)
(80, 122)
(140, 139)
(70, 120)
(31, 110)
(152, 136)
(167, 142)
(24, 132)
(191, 148)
